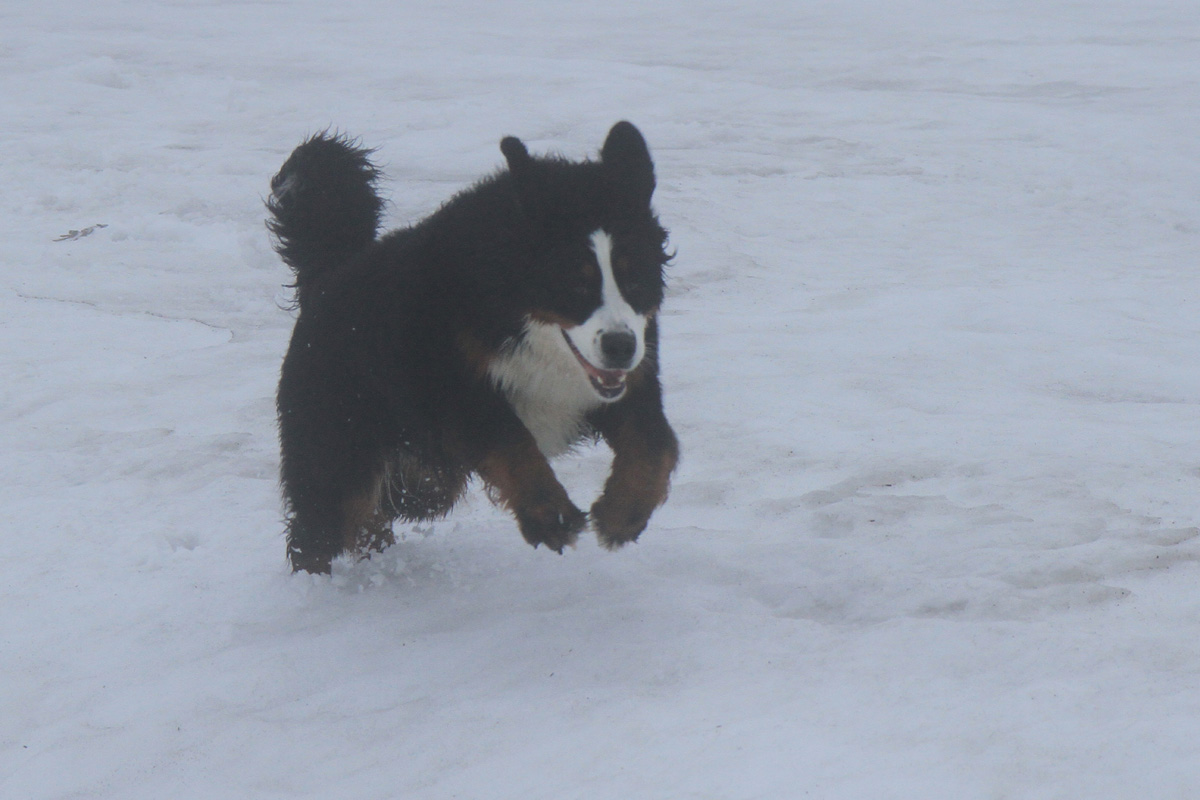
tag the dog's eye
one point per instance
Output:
(581, 286)
(626, 275)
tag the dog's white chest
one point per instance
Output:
(546, 388)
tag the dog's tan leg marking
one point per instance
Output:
(638, 484)
(523, 482)
(365, 527)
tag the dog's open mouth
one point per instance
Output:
(608, 383)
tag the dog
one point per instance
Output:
(513, 323)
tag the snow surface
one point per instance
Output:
(932, 348)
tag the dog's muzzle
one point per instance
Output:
(619, 349)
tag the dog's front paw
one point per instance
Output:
(556, 528)
(618, 523)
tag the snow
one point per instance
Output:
(931, 346)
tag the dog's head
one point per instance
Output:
(599, 253)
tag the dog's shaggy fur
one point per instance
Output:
(517, 320)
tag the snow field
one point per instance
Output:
(930, 348)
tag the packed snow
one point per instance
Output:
(931, 346)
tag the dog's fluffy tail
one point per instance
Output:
(324, 206)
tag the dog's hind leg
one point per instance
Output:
(321, 527)
(312, 538)
(366, 526)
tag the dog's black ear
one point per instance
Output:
(627, 158)
(520, 166)
(516, 154)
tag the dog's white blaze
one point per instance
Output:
(613, 314)
(546, 387)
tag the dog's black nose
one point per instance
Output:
(618, 348)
